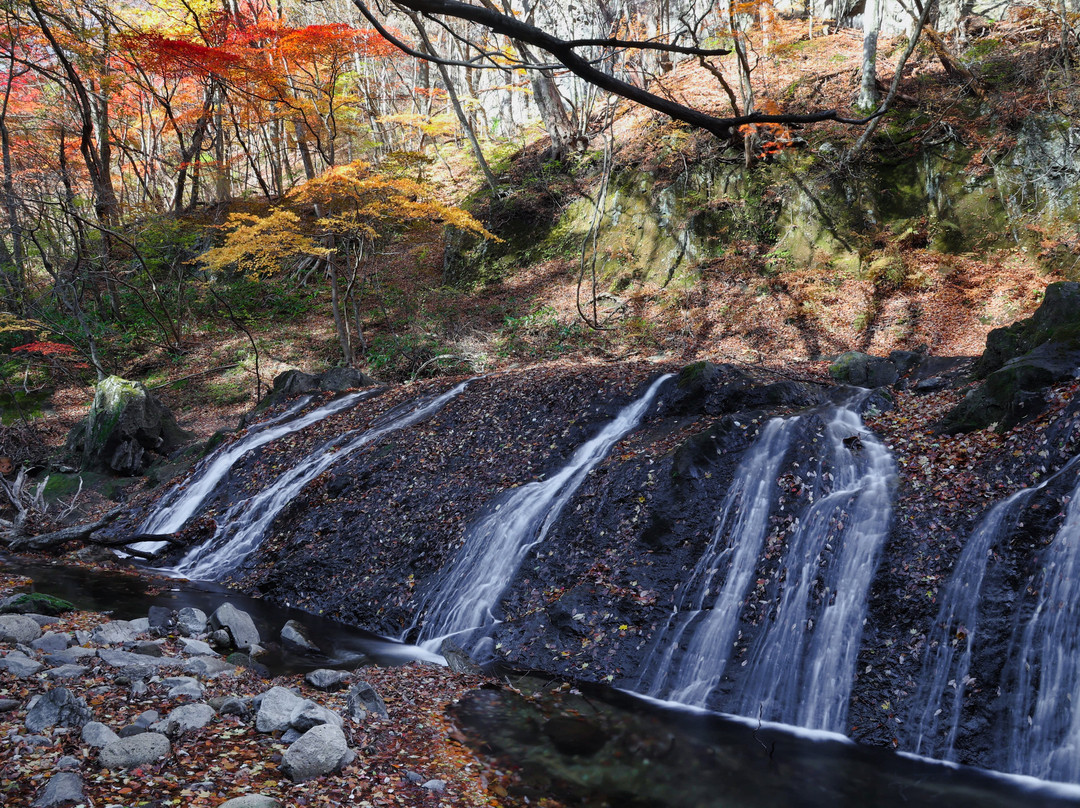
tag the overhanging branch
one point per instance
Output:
(564, 52)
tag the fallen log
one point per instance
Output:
(47, 541)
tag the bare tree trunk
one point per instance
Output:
(868, 90)
(478, 153)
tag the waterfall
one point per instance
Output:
(242, 526)
(1041, 678)
(497, 543)
(800, 663)
(183, 501)
(1043, 675)
(736, 545)
(944, 671)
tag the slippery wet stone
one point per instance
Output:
(294, 637)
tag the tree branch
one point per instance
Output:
(563, 51)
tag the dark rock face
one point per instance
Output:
(863, 370)
(1020, 361)
(127, 428)
(369, 540)
(295, 382)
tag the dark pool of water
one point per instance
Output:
(129, 595)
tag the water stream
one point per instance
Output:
(800, 662)
(497, 543)
(1041, 679)
(1043, 673)
(183, 501)
(242, 527)
(734, 549)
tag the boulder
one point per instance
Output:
(197, 647)
(364, 699)
(191, 622)
(294, 382)
(97, 735)
(238, 623)
(67, 672)
(115, 632)
(1018, 363)
(35, 603)
(125, 429)
(19, 665)
(135, 664)
(294, 637)
(276, 707)
(325, 679)
(309, 714)
(136, 750)
(52, 641)
(862, 370)
(209, 667)
(251, 801)
(57, 706)
(1056, 320)
(183, 686)
(184, 719)
(63, 788)
(18, 628)
(161, 619)
(321, 750)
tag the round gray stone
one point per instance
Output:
(127, 753)
(321, 750)
(18, 628)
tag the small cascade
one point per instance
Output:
(1041, 679)
(183, 501)
(497, 543)
(242, 526)
(801, 660)
(734, 549)
(1043, 674)
(947, 663)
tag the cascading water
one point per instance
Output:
(243, 525)
(182, 502)
(1043, 674)
(800, 664)
(1041, 680)
(496, 545)
(735, 547)
(945, 671)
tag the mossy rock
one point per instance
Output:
(125, 429)
(35, 603)
(1056, 320)
(59, 485)
(862, 370)
(1013, 393)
